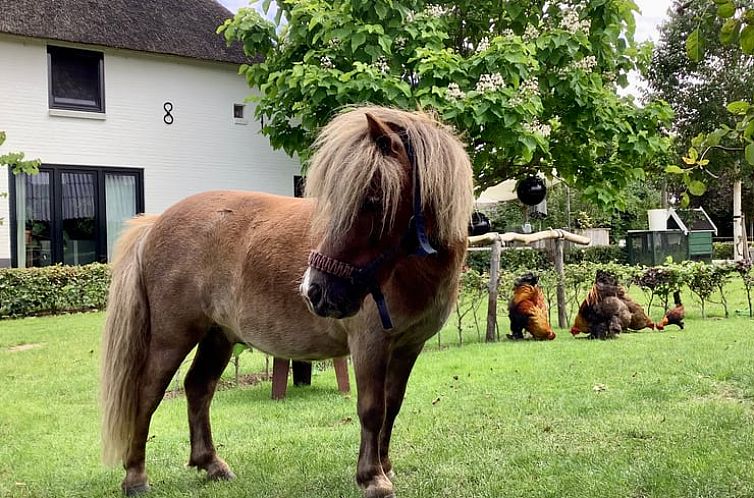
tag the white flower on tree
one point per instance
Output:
(571, 22)
(490, 83)
(436, 10)
(326, 62)
(531, 33)
(586, 64)
(455, 92)
(536, 127)
(381, 64)
(484, 44)
(529, 86)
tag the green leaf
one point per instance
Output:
(2, 137)
(674, 169)
(726, 10)
(739, 107)
(729, 31)
(358, 40)
(748, 132)
(694, 46)
(685, 200)
(749, 153)
(747, 39)
(697, 188)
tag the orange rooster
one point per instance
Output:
(580, 325)
(528, 310)
(674, 316)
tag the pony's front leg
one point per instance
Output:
(401, 363)
(370, 352)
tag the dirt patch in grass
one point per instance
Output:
(243, 381)
(22, 347)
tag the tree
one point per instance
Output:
(698, 91)
(530, 85)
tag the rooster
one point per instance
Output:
(528, 310)
(674, 316)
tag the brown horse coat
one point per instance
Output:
(220, 268)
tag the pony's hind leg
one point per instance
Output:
(211, 358)
(166, 352)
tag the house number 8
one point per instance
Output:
(168, 118)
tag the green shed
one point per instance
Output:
(688, 237)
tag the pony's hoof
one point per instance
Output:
(219, 471)
(379, 488)
(136, 490)
(221, 475)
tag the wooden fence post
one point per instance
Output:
(560, 269)
(492, 288)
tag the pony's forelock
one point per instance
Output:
(346, 161)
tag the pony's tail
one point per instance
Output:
(125, 342)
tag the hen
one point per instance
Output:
(639, 319)
(528, 310)
(675, 315)
(604, 313)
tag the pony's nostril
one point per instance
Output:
(314, 293)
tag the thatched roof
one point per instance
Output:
(176, 27)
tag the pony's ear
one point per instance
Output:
(385, 138)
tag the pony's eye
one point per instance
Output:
(370, 204)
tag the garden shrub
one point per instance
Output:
(597, 254)
(660, 281)
(53, 289)
(722, 250)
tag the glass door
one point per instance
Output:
(78, 221)
(34, 219)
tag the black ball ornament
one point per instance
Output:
(531, 190)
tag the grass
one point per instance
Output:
(648, 415)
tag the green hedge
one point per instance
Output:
(514, 259)
(598, 254)
(722, 250)
(53, 289)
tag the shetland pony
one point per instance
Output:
(389, 200)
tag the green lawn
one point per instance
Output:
(647, 415)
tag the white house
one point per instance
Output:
(130, 106)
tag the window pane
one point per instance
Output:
(79, 224)
(75, 77)
(120, 198)
(34, 220)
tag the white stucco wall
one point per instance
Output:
(204, 149)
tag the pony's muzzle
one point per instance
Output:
(327, 296)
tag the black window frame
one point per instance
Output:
(56, 171)
(88, 54)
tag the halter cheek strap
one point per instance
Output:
(366, 277)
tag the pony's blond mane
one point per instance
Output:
(346, 160)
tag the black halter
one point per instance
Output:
(366, 276)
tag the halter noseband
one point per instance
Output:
(366, 276)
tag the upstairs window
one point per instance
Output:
(76, 79)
